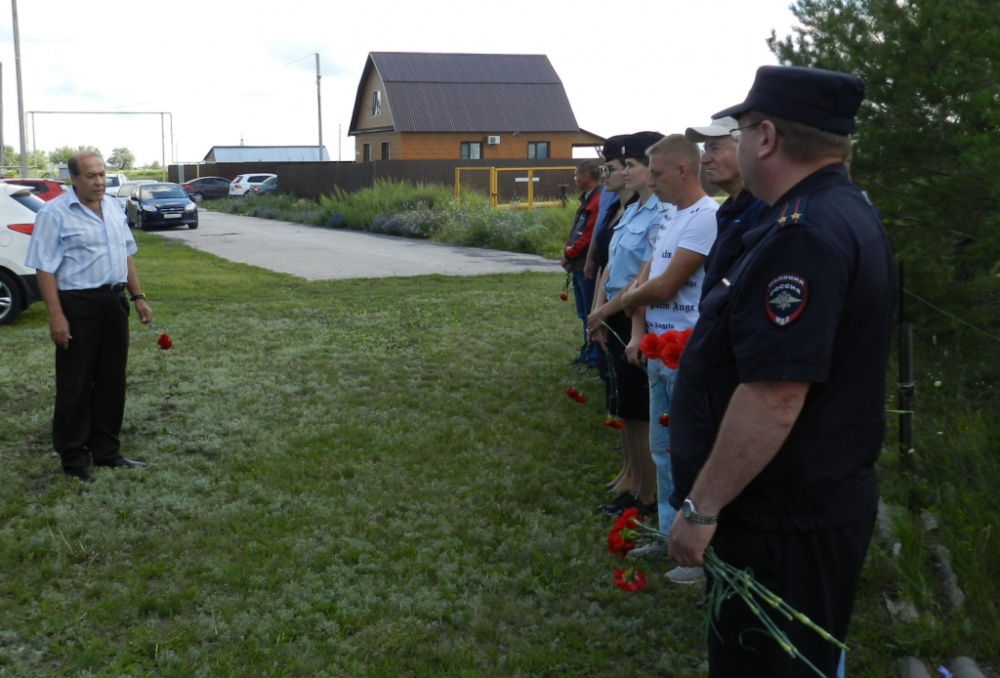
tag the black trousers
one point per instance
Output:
(90, 378)
(814, 572)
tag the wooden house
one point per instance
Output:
(416, 106)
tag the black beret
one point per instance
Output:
(613, 147)
(635, 145)
(826, 100)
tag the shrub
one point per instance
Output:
(420, 211)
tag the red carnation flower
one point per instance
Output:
(572, 393)
(629, 579)
(564, 296)
(629, 518)
(670, 346)
(650, 346)
(617, 544)
(579, 398)
(164, 342)
(664, 420)
(622, 535)
(616, 424)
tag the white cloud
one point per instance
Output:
(228, 71)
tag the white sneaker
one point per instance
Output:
(685, 575)
(654, 549)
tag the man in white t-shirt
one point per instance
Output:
(666, 294)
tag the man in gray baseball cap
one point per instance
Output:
(740, 210)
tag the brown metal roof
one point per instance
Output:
(469, 93)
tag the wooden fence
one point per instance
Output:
(312, 179)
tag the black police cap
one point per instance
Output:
(826, 100)
(613, 147)
(635, 145)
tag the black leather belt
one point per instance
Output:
(114, 288)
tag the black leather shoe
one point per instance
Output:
(122, 462)
(78, 472)
(646, 510)
(621, 502)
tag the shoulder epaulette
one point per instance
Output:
(793, 211)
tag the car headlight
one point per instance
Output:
(149, 208)
(190, 207)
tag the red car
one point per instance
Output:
(46, 189)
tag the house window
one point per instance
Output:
(366, 153)
(376, 103)
(538, 150)
(472, 150)
(385, 150)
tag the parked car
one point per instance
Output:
(18, 283)
(269, 186)
(129, 187)
(112, 182)
(244, 183)
(46, 189)
(207, 187)
(160, 205)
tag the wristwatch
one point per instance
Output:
(691, 514)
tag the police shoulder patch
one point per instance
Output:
(786, 298)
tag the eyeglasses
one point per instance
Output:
(604, 170)
(738, 132)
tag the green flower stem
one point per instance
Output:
(728, 581)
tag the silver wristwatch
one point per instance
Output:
(691, 514)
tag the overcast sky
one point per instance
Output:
(232, 71)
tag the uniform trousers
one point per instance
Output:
(815, 572)
(90, 377)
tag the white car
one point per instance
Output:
(18, 283)
(113, 182)
(243, 184)
(123, 192)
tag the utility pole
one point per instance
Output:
(319, 109)
(20, 95)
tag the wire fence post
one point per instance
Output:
(906, 389)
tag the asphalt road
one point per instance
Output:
(326, 254)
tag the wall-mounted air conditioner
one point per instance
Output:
(493, 141)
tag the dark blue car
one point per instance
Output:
(161, 205)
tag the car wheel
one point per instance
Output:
(11, 301)
(198, 197)
(139, 222)
(193, 226)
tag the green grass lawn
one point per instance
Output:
(349, 478)
(346, 478)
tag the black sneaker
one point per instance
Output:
(621, 502)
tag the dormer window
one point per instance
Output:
(376, 103)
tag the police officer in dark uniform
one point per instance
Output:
(779, 406)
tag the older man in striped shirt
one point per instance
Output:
(82, 251)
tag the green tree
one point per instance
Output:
(926, 144)
(121, 158)
(38, 161)
(61, 155)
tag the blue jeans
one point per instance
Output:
(583, 294)
(661, 386)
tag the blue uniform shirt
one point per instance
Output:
(631, 244)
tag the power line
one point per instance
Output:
(952, 316)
